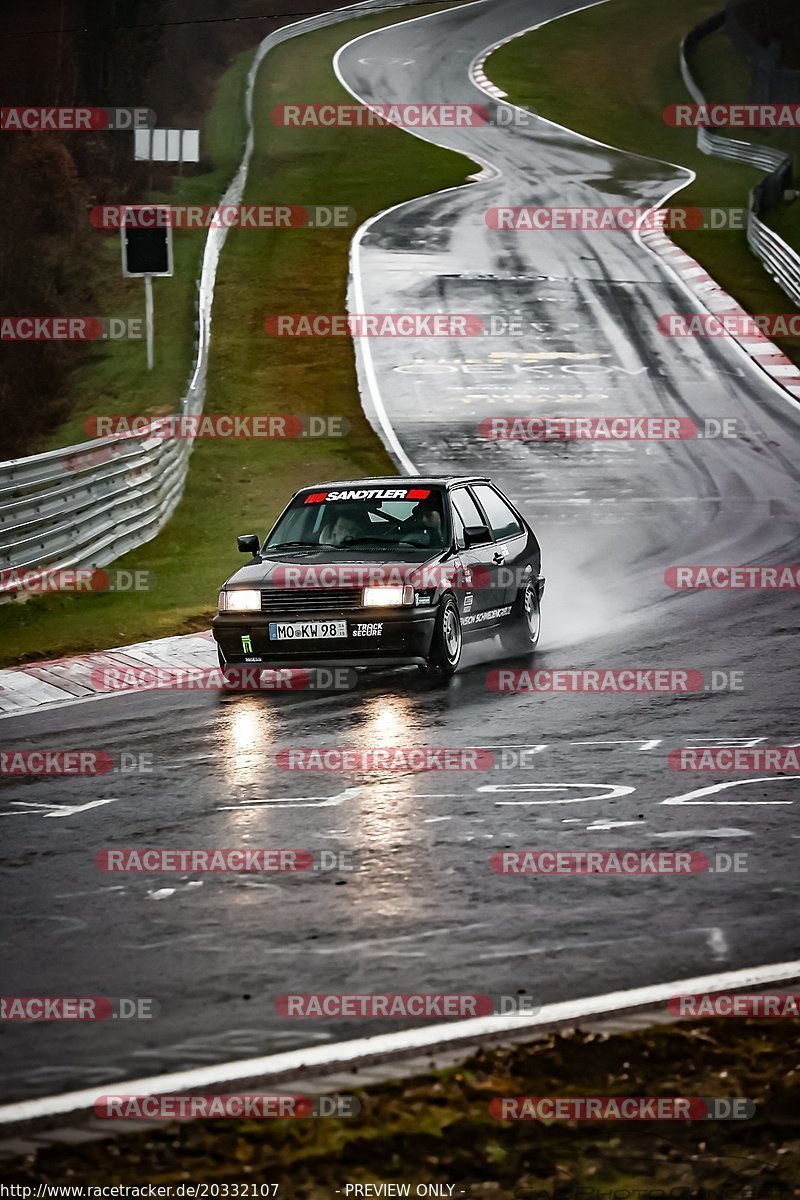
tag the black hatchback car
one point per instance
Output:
(383, 572)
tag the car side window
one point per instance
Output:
(466, 510)
(503, 522)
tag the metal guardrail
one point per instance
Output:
(780, 260)
(89, 504)
(86, 505)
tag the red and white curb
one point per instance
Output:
(61, 681)
(485, 83)
(476, 67)
(764, 353)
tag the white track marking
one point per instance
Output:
(614, 790)
(296, 802)
(389, 1046)
(612, 825)
(54, 810)
(709, 833)
(690, 797)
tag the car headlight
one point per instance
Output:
(240, 600)
(387, 597)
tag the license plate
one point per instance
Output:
(298, 631)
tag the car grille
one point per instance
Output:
(318, 599)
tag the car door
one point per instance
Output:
(511, 540)
(480, 565)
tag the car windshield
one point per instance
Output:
(368, 518)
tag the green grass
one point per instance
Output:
(437, 1128)
(609, 72)
(723, 75)
(239, 486)
(786, 222)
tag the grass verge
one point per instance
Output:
(240, 485)
(609, 72)
(438, 1129)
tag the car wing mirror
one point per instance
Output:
(248, 543)
(476, 535)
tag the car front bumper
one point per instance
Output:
(375, 637)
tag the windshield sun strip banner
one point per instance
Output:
(368, 494)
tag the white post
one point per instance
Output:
(148, 305)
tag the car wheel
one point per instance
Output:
(445, 652)
(520, 633)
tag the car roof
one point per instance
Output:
(395, 480)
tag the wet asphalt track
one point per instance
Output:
(421, 910)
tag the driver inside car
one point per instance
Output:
(425, 524)
(338, 530)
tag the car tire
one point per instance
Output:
(447, 641)
(520, 632)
